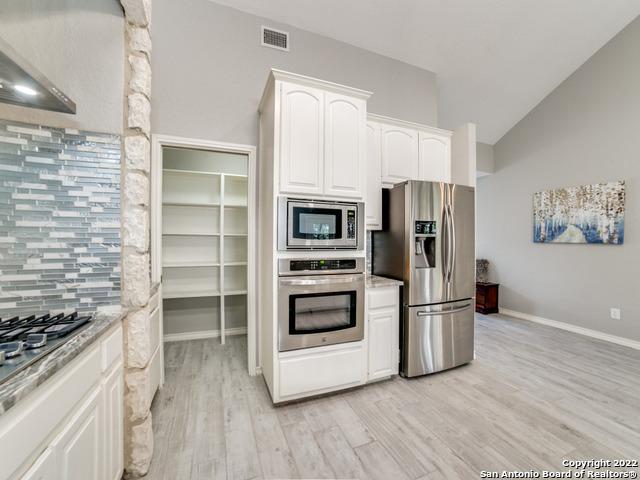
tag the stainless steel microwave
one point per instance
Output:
(320, 225)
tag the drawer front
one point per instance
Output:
(322, 371)
(382, 297)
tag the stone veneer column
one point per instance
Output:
(136, 267)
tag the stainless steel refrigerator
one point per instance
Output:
(428, 242)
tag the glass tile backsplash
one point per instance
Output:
(59, 219)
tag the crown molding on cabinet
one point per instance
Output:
(296, 78)
(372, 117)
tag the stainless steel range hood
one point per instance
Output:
(22, 84)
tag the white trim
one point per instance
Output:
(179, 337)
(625, 342)
(158, 141)
(372, 117)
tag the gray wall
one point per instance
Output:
(485, 163)
(586, 131)
(79, 46)
(209, 72)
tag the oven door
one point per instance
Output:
(320, 310)
(312, 225)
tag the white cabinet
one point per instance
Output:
(75, 419)
(434, 156)
(373, 208)
(319, 136)
(399, 154)
(314, 371)
(345, 145)
(79, 446)
(113, 435)
(302, 139)
(44, 467)
(383, 332)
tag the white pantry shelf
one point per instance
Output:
(190, 264)
(191, 204)
(204, 250)
(187, 234)
(235, 292)
(189, 172)
(190, 294)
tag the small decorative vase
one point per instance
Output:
(482, 270)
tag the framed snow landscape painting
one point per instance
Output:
(585, 214)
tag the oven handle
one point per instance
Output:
(324, 281)
(443, 312)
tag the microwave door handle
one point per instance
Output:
(323, 281)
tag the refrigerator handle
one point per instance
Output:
(445, 242)
(452, 245)
(443, 312)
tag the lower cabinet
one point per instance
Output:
(74, 421)
(44, 468)
(383, 332)
(79, 447)
(320, 370)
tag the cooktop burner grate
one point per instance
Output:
(26, 339)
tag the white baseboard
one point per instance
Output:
(573, 328)
(179, 337)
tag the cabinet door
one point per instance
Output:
(345, 146)
(399, 154)
(79, 448)
(301, 136)
(383, 343)
(373, 207)
(434, 157)
(44, 467)
(113, 424)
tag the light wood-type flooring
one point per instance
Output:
(534, 396)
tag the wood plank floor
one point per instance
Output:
(534, 396)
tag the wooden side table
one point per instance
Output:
(487, 297)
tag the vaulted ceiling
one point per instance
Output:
(495, 59)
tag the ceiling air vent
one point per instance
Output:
(275, 39)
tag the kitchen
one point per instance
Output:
(261, 288)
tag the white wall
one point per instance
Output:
(79, 46)
(586, 131)
(209, 71)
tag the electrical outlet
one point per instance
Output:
(615, 313)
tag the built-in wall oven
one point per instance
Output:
(320, 225)
(320, 301)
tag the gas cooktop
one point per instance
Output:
(26, 339)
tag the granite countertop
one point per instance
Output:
(374, 281)
(18, 387)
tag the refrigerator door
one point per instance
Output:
(437, 337)
(425, 276)
(460, 274)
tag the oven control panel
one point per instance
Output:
(351, 224)
(319, 264)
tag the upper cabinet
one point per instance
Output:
(319, 144)
(301, 139)
(399, 154)
(413, 152)
(434, 156)
(345, 146)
